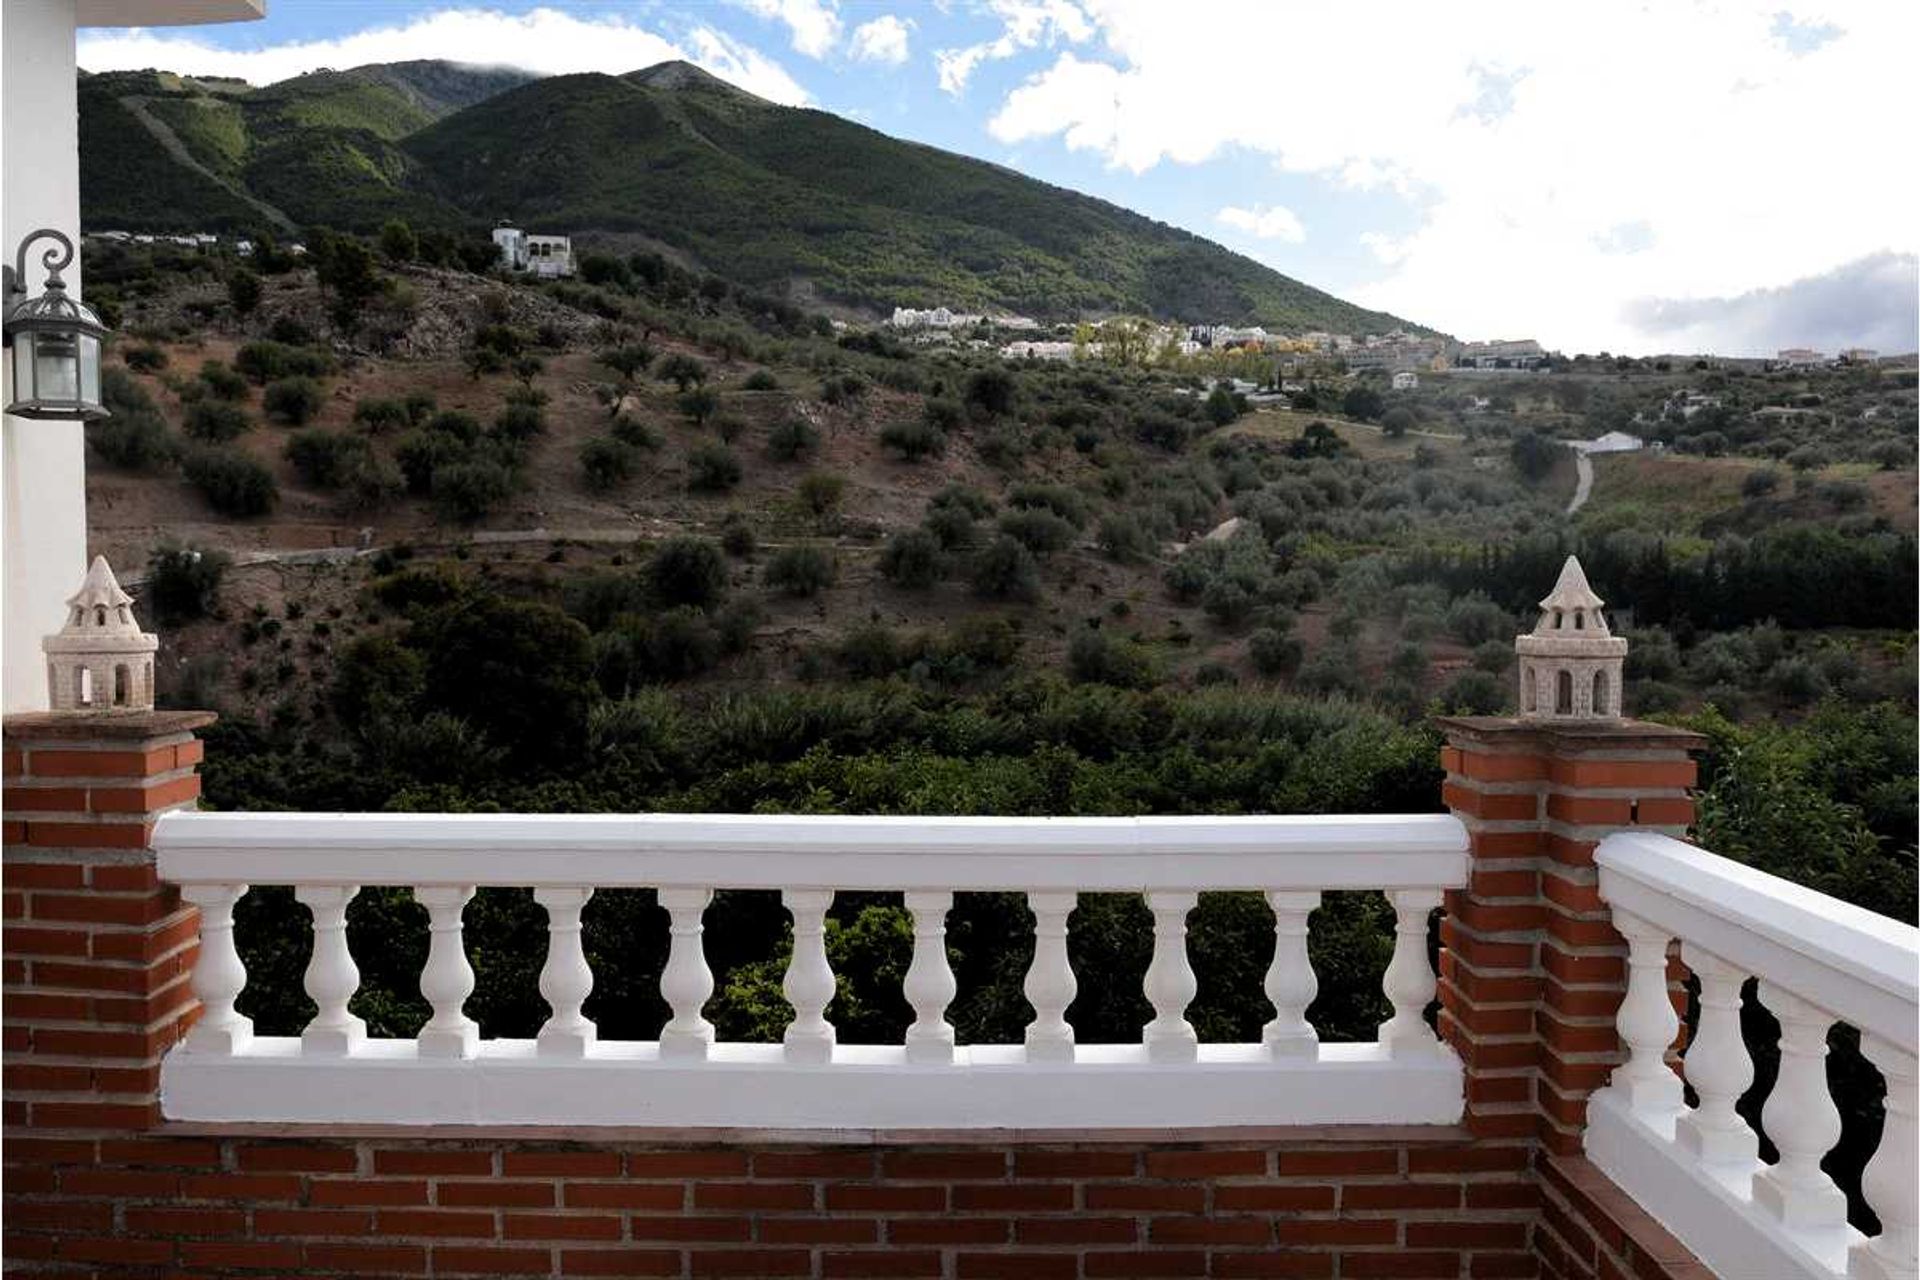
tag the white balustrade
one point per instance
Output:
(569, 1074)
(809, 984)
(1050, 986)
(1819, 962)
(566, 980)
(1291, 984)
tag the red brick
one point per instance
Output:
(62, 1215)
(121, 1184)
(238, 1253)
(557, 1164)
(689, 1228)
(1474, 1159)
(1500, 917)
(1018, 1266)
(42, 875)
(188, 754)
(114, 877)
(312, 1222)
(1488, 767)
(1274, 1199)
(405, 1259)
(185, 1222)
(949, 1230)
(625, 1195)
(1503, 1266)
(813, 1164)
(1147, 1198)
(1664, 811)
(1502, 1195)
(28, 1077)
(857, 1197)
(368, 1191)
(1213, 1230)
(753, 1195)
(1297, 1265)
(945, 1164)
(1590, 811)
(1487, 883)
(24, 1148)
(55, 762)
(687, 1164)
(620, 1262)
(1624, 774)
(1158, 1263)
(21, 940)
(505, 1195)
(491, 1260)
(46, 800)
(819, 1231)
(1306, 1231)
(428, 1164)
(277, 1159)
(1205, 1164)
(89, 835)
(1075, 1164)
(1467, 1235)
(1403, 1265)
(116, 1250)
(892, 1262)
(1338, 1164)
(1035, 1196)
(150, 798)
(1582, 970)
(433, 1222)
(1078, 1229)
(562, 1226)
(1504, 844)
(149, 944)
(243, 1186)
(751, 1262)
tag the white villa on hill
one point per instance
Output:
(547, 256)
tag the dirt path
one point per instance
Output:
(1582, 491)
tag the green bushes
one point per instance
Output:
(267, 361)
(913, 441)
(1006, 570)
(911, 559)
(183, 583)
(1274, 653)
(232, 483)
(819, 492)
(760, 380)
(607, 463)
(803, 570)
(327, 459)
(686, 571)
(637, 433)
(465, 491)
(379, 416)
(221, 382)
(712, 468)
(791, 439)
(214, 422)
(1040, 532)
(145, 359)
(293, 400)
(1094, 657)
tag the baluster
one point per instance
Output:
(1718, 1067)
(1646, 1023)
(1170, 984)
(1892, 1174)
(809, 984)
(218, 974)
(332, 977)
(929, 983)
(566, 979)
(1050, 985)
(1291, 984)
(1409, 982)
(686, 982)
(447, 980)
(1801, 1119)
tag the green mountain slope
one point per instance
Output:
(776, 197)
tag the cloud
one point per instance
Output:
(1553, 169)
(1867, 303)
(815, 23)
(543, 41)
(1025, 24)
(1268, 222)
(882, 40)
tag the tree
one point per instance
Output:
(700, 403)
(397, 242)
(911, 559)
(682, 371)
(685, 570)
(345, 268)
(527, 368)
(243, 291)
(1362, 403)
(992, 391)
(1397, 423)
(802, 570)
(607, 463)
(1533, 454)
(712, 468)
(626, 362)
(820, 491)
(518, 671)
(1221, 408)
(293, 400)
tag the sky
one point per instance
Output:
(1679, 176)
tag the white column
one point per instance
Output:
(332, 977)
(1801, 1119)
(929, 983)
(809, 984)
(566, 980)
(1291, 984)
(218, 975)
(1647, 1023)
(1170, 982)
(42, 464)
(1409, 983)
(1718, 1068)
(447, 979)
(1050, 985)
(1891, 1176)
(686, 982)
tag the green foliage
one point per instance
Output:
(607, 463)
(1397, 422)
(683, 371)
(1094, 657)
(520, 673)
(397, 241)
(686, 570)
(637, 432)
(232, 483)
(992, 391)
(465, 490)
(1534, 454)
(266, 360)
(911, 559)
(913, 440)
(1275, 653)
(791, 439)
(135, 436)
(214, 422)
(1362, 403)
(1005, 570)
(379, 416)
(802, 570)
(243, 291)
(712, 468)
(183, 583)
(145, 359)
(221, 382)
(699, 404)
(820, 491)
(327, 459)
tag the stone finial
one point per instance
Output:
(1570, 664)
(100, 660)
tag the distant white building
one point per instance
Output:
(542, 255)
(1044, 350)
(1518, 353)
(1613, 442)
(1799, 357)
(1406, 380)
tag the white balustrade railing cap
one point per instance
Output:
(1858, 965)
(774, 851)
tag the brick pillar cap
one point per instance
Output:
(1553, 737)
(97, 726)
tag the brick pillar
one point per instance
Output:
(97, 951)
(1532, 970)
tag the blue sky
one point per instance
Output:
(1597, 178)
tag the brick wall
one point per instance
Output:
(97, 955)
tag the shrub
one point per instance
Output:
(685, 570)
(372, 482)
(1040, 532)
(1492, 656)
(1362, 403)
(964, 498)
(221, 382)
(1094, 657)
(635, 432)
(699, 404)
(1397, 423)
(292, 400)
(463, 427)
(761, 380)
(1760, 483)
(607, 463)
(913, 440)
(911, 559)
(1006, 570)
(1475, 693)
(1274, 653)
(992, 391)
(803, 570)
(133, 439)
(682, 371)
(183, 583)
(267, 360)
(1221, 406)
(214, 422)
(520, 422)
(712, 468)
(944, 414)
(243, 291)
(820, 491)
(1808, 458)
(1123, 538)
(1473, 619)
(146, 359)
(467, 489)
(325, 459)
(792, 438)
(871, 652)
(736, 538)
(232, 483)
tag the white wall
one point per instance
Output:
(43, 506)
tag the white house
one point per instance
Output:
(43, 463)
(1614, 442)
(1406, 380)
(542, 255)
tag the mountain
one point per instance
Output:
(780, 198)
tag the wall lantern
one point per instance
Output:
(52, 340)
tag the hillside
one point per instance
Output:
(787, 200)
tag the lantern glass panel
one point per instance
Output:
(56, 361)
(89, 370)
